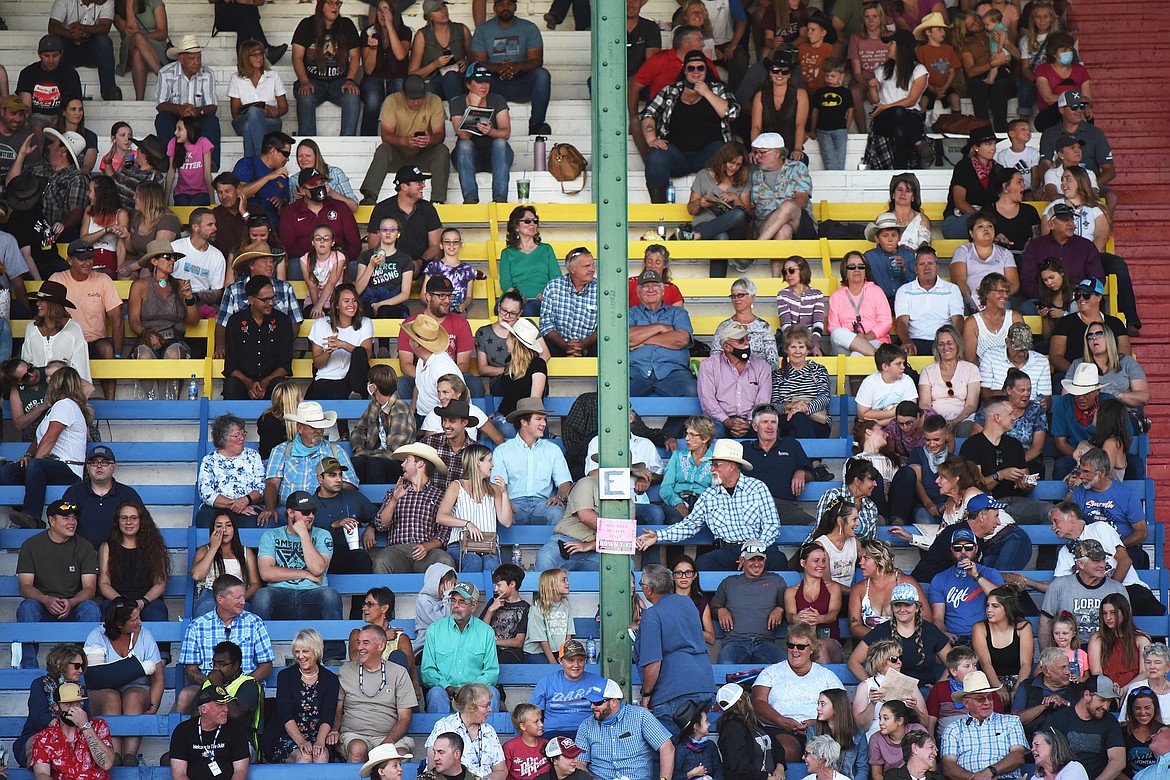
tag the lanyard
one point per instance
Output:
(209, 750)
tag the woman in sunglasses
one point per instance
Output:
(526, 264)
(1068, 338)
(1155, 665)
(869, 697)
(781, 106)
(1121, 375)
(686, 124)
(859, 312)
(65, 663)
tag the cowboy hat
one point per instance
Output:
(525, 332)
(427, 331)
(974, 683)
(822, 18)
(459, 410)
(730, 450)
(156, 248)
(188, 44)
(930, 20)
(526, 406)
(883, 222)
(155, 151)
(24, 192)
(73, 143)
(253, 251)
(420, 450)
(53, 292)
(380, 755)
(1086, 379)
(310, 413)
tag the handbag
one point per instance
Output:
(820, 417)
(566, 163)
(488, 545)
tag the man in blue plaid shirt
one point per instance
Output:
(568, 308)
(986, 744)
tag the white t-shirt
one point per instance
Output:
(203, 269)
(1023, 161)
(794, 696)
(843, 561)
(426, 379)
(1073, 770)
(70, 445)
(876, 394)
(1052, 176)
(890, 92)
(270, 86)
(338, 363)
(1110, 540)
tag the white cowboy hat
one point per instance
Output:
(731, 450)
(424, 451)
(188, 44)
(310, 413)
(883, 221)
(975, 682)
(380, 755)
(525, 332)
(1086, 379)
(73, 143)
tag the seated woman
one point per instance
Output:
(880, 658)
(906, 206)
(105, 225)
(343, 343)
(781, 105)
(836, 533)
(970, 189)
(924, 645)
(133, 564)
(896, 139)
(385, 62)
(816, 601)
(439, 53)
(974, 261)
(65, 663)
(800, 388)
(160, 309)
(337, 185)
(860, 479)
(150, 221)
(472, 704)
(526, 264)
(799, 303)
(525, 376)
(378, 610)
(1003, 642)
(950, 385)
(1115, 649)
(1121, 375)
(1068, 338)
(231, 478)
(1056, 299)
(1030, 421)
(688, 473)
(1114, 435)
(835, 719)
(656, 258)
(895, 493)
(859, 313)
(1090, 219)
(224, 553)
(987, 328)
(719, 202)
(475, 506)
(685, 124)
(145, 38)
(52, 334)
(116, 689)
(1016, 222)
(870, 599)
(760, 337)
(306, 705)
(1059, 73)
(1143, 721)
(257, 97)
(271, 426)
(492, 351)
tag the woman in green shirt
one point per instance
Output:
(526, 264)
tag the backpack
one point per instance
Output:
(566, 163)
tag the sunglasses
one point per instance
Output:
(795, 646)
(530, 221)
(285, 152)
(1145, 689)
(737, 296)
(1095, 335)
(950, 389)
(783, 71)
(965, 547)
(74, 665)
(895, 659)
(696, 68)
(855, 268)
(1083, 295)
(791, 270)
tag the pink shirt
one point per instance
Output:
(872, 307)
(189, 180)
(725, 392)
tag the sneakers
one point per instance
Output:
(685, 233)
(925, 153)
(368, 201)
(113, 94)
(25, 520)
(276, 52)
(821, 473)
(540, 129)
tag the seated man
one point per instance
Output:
(47, 85)
(264, 178)
(958, 594)
(96, 303)
(259, 345)
(1074, 414)
(460, 649)
(735, 508)
(1016, 353)
(573, 544)
(98, 496)
(186, 87)
(230, 221)
(342, 513)
(1003, 467)
(483, 143)
(882, 391)
(74, 746)
(986, 740)
(85, 30)
(561, 694)
(1078, 255)
(1103, 498)
(409, 514)
(57, 575)
(659, 344)
(460, 346)
(749, 607)
(455, 418)
(781, 192)
(1068, 152)
(1080, 593)
(412, 127)
(780, 463)
(733, 382)
(1006, 548)
(925, 304)
(1046, 692)
(200, 743)
(513, 51)
(244, 710)
(534, 468)
(257, 259)
(314, 208)
(891, 265)
(419, 226)
(379, 718)
(204, 633)
(203, 264)
(292, 465)
(568, 308)
(294, 561)
(1092, 730)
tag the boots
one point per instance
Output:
(657, 194)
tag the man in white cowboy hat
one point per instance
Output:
(986, 744)
(98, 303)
(891, 264)
(66, 192)
(292, 465)
(460, 649)
(84, 28)
(186, 87)
(428, 345)
(384, 763)
(257, 259)
(735, 508)
(73, 745)
(1081, 399)
(409, 516)
(1093, 732)
(535, 469)
(258, 345)
(733, 381)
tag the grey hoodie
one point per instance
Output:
(429, 607)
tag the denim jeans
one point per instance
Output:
(35, 476)
(833, 143)
(164, 127)
(1011, 553)
(321, 603)
(731, 225)
(374, 92)
(750, 650)
(473, 561)
(332, 92)
(449, 86)
(32, 611)
(662, 165)
(533, 87)
(582, 12)
(251, 125)
(664, 712)
(439, 701)
(469, 159)
(1026, 97)
(678, 383)
(955, 226)
(96, 52)
(549, 557)
(533, 510)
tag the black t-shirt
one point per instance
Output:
(1073, 328)
(831, 105)
(509, 619)
(1020, 229)
(776, 466)
(977, 195)
(386, 65)
(387, 275)
(198, 748)
(413, 229)
(495, 102)
(1089, 739)
(645, 35)
(512, 390)
(926, 670)
(1008, 455)
(50, 90)
(332, 63)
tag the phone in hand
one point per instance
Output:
(563, 548)
(420, 134)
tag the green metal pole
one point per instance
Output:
(613, 373)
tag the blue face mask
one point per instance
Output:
(1065, 58)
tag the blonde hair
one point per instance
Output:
(153, 202)
(879, 654)
(546, 593)
(521, 358)
(285, 400)
(66, 383)
(244, 58)
(1070, 622)
(310, 640)
(457, 384)
(469, 459)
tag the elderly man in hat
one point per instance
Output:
(186, 87)
(621, 740)
(98, 496)
(735, 508)
(264, 177)
(537, 476)
(437, 296)
(483, 135)
(1081, 591)
(660, 340)
(411, 125)
(257, 259)
(781, 191)
(987, 744)
(460, 649)
(66, 187)
(49, 83)
(733, 382)
(74, 746)
(84, 29)
(568, 307)
(312, 209)
(201, 747)
(292, 465)
(1093, 732)
(1017, 352)
(409, 515)
(98, 303)
(294, 562)
(1074, 415)
(259, 345)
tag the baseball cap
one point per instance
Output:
(983, 501)
(963, 535)
(413, 87)
(68, 692)
(325, 465)
(101, 452)
(309, 176)
(1091, 285)
(409, 174)
(1105, 688)
(467, 590)
(904, 593)
(1062, 211)
(62, 508)
(80, 249)
(561, 746)
(1072, 99)
(598, 694)
(51, 43)
(1019, 337)
(649, 276)
(440, 284)
(1091, 549)
(300, 501)
(477, 71)
(213, 693)
(1066, 141)
(753, 548)
(573, 647)
(13, 103)
(728, 695)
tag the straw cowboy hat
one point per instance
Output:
(525, 332)
(730, 450)
(1086, 379)
(883, 221)
(424, 451)
(930, 20)
(974, 683)
(188, 44)
(156, 248)
(251, 252)
(380, 755)
(310, 413)
(427, 331)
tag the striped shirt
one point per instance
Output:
(174, 86)
(807, 309)
(976, 746)
(748, 512)
(994, 365)
(482, 514)
(810, 382)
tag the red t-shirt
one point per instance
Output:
(458, 332)
(812, 64)
(662, 69)
(524, 762)
(670, 294)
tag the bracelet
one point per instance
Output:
(190, 301)
(351, 81)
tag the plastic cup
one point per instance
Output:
(523, 190)
(351, 538)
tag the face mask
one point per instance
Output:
(67, 720)
(317, 194)
(1065, 58)
(743, 354)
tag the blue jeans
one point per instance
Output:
(533, 87)
(5, 340)
(1026, 95)
(473, 561)
(532, 510)
(662, 165)
(96, 52)
(164, 127)
(321, 603)
(374, 92)
(833, 143)
(549, 557)
(733, 224)
(251, 125)
(955, 226)
(582, 12)
(35, 476)
(469, 159)
(726, 558)
(332, 92)
(649, 514)
(1011, 553)
(678, 383)
(439, 701)
(32, 611)
(750, 650)
(450, 85)
(506, 429)
(664, 712)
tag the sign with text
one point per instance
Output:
(613, 484)
(615, 535)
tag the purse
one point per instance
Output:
(566, 163)
(820, 417)
(488, 545)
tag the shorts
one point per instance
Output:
(93, 353)
(404, 745)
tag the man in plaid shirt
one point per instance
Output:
(568, 308)
(986, 744)
(409, 514)
(257, 259)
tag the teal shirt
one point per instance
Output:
(528, 273)
(454, 657)
(285, 549)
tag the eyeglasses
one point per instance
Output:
(129, 517)
(795, 646)
(265, 299)
(387, 230)
(237, 435)
(441, 296)
(906, 424)
(328, 238)
(855, 267)
(696, 68)
(737, 296)
(169, 257)
(1097, 334)
(369, 603)
(964, 547)
(509, 314)
(530, 221)
(101, 464)
(678, 575)
(286, 152)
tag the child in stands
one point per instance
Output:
(460, 274)
(549, 624)
(832, 112)
(524, 758)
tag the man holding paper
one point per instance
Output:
(483, 126)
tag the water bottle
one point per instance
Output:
(539, 154)
(17, 654)
(661, 230)
(960, 572)
(671, 195)
(193, 388)
(591, 650)
(517, 556)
